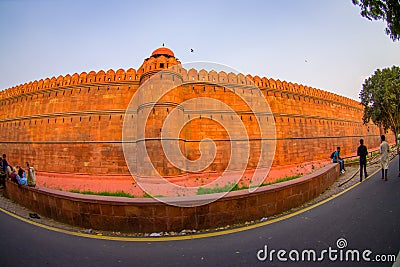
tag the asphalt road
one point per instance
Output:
(367, 217)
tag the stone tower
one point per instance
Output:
(158, 95)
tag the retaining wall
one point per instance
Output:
(151, 215)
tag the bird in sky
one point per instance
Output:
(191, 50)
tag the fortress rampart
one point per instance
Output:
(73, 123)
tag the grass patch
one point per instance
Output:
(284, 179)
(110, 194)
(217, 189)
(351, 160)
(146, 195)
(230, 187)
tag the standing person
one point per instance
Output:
(5, 163)
(384, 151)
(3, 172)
(31, 175)
(336, 158)
(398, 150)
(2, 175)
(362, 152)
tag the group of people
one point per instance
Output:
(362, 152)
(17, 174)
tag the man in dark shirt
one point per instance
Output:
(4, 165)
(362, 152)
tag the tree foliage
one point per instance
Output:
(380, 97)
(386, 10)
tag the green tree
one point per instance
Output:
(380, 97)
(386, 10)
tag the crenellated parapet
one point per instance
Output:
(155, 64)
(231, 78)
(75, 79)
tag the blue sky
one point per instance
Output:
(324, 44)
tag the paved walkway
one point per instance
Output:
(367, 217)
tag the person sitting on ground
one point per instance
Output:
(21, 177)
(31, 175)
(337, 159)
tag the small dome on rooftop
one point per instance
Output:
(163, 51)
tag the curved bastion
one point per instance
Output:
(70, 127)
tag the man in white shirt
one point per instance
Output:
(384, 151)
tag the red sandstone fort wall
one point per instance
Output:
(73, 123)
